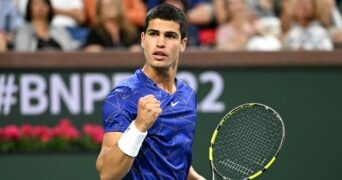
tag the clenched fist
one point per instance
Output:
(148, 112)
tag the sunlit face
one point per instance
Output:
(40, 9)
(162, 44)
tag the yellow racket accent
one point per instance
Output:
(255, 175)
(214, 136)
(270, 163)
(210, 153)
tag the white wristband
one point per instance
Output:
(131, 140)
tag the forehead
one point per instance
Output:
(163, 26)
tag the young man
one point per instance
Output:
(149, 119)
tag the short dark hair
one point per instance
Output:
(28, 16)
(170, 13)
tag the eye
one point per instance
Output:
(153, 33)
(171, 35)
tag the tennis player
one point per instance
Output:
(149, 119)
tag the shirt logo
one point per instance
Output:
(174, 104)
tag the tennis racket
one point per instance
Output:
(246, 142)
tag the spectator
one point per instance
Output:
(201, 17)
(38, 33)
(238, 27)
(90, 12)
(112, 29)
(306, 32)
(262, 8)
(134, 10)
(10, 21)
(331, 19)
(71, 15)
(193, 40)
(3, 43)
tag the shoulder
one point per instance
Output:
(26, 27)
(185, 88)
(126, 89)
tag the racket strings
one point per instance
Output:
(247, 142)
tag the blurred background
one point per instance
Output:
(60, 58)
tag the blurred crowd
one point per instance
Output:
(226, 25)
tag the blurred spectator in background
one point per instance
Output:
(193, 30)
(267, 26)
(90, 12)
(134, 10)
(112, 29)
(3, 43)
(306, 31)
(331, 19)
(10, 20)
(267, 35)
(262, 8)
(71, 15)
(238, 26)
(38, 33)
(201, 16)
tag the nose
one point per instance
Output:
(161, 41)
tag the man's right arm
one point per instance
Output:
(112, 163)
(119, 149)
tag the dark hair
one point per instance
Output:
(28, 16)
(168, 12)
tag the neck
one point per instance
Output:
(41, 28)
(164, 79)
(40, 23)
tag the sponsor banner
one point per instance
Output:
(36, 94)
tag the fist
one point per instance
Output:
(147, 113)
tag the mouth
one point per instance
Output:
(159, 55)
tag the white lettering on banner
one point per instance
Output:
(8, 91)
(59, 91)
(210, 102)
(79, 92)
(33, 99)
(188, 78)
(90, 93)
(118, 77)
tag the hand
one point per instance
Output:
(193, 175)
(148, 112)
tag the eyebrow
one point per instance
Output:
(167, 32)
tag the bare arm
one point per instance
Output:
(112, 163)
(220, 11)
(193, 175)
(201, 14)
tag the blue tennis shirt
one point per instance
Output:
(166, 153)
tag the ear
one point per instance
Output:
(142, 37)
(183, 44)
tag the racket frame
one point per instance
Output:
(223, 120)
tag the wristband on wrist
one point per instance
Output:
(131, 140)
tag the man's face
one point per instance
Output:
(162, 44)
